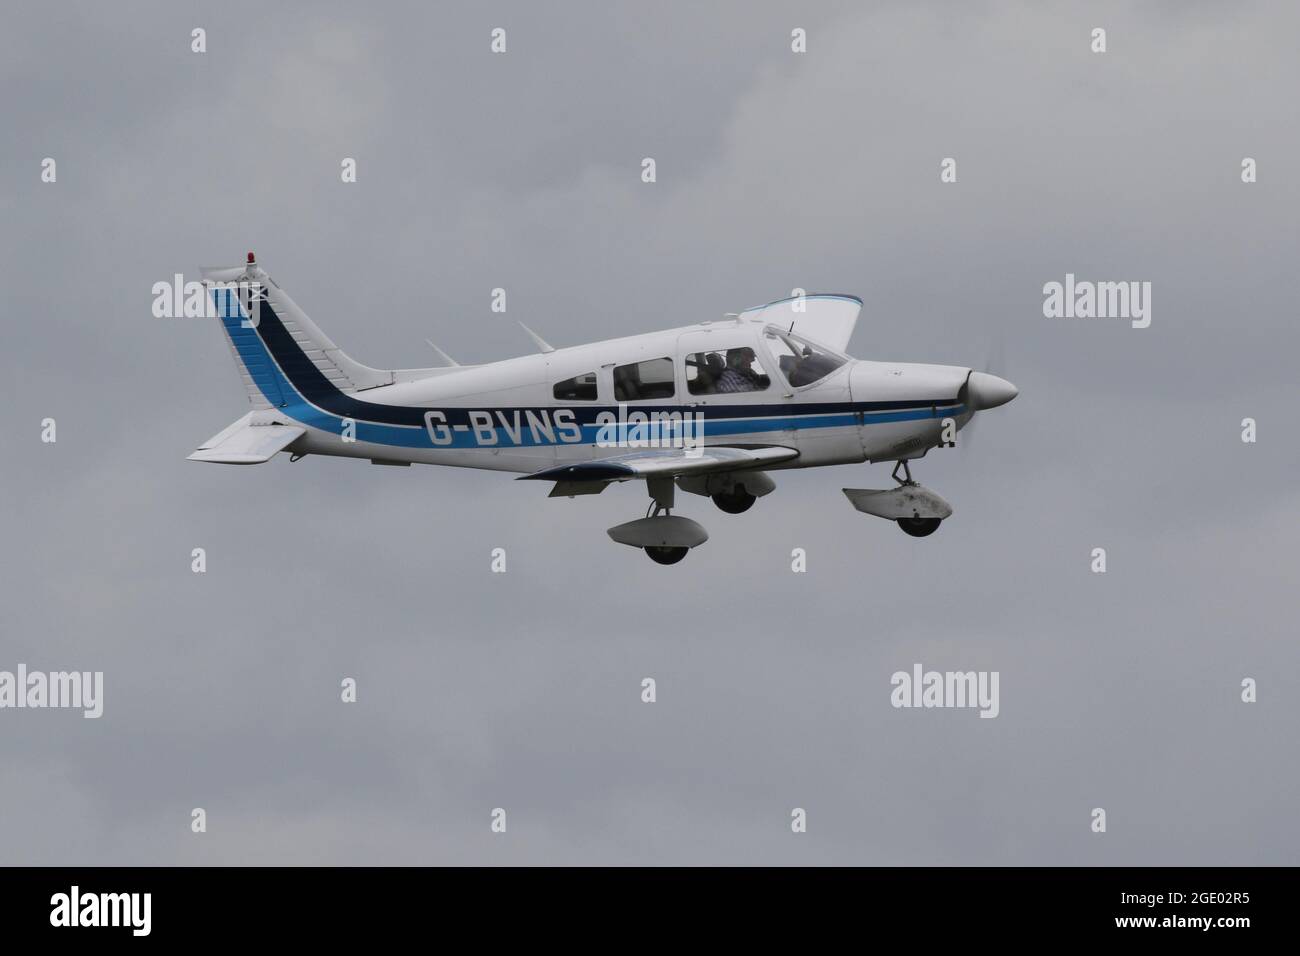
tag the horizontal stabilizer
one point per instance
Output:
(247, 443)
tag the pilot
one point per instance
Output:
(739, 375)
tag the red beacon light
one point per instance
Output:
(251, 258)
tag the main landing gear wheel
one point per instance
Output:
(664, 537)
(738, 502)
(919, 527)
(666, 555)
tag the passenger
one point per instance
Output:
(740, 375)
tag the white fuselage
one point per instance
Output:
(514, 416)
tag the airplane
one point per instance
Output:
(706, 409)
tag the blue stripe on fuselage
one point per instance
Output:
(291, 382)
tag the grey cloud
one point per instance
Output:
(522, 690)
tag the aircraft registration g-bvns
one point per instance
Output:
(708, 409)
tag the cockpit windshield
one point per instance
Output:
(800, 361)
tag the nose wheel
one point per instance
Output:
(917, 510)
(916, 526)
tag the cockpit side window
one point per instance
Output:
(800, 361)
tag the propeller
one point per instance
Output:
(986, 389)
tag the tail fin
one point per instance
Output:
(240, 293)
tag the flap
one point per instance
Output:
(656, 462)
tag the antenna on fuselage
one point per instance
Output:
(542, 344)
(441, 354)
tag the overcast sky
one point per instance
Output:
(522, 690)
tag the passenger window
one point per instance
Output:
(580, 388)
(652, 378)
(725, 371)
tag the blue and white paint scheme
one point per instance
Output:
(707, 409)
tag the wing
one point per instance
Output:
(591, 477)
(246, 442)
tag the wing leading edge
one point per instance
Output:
(590, 477)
